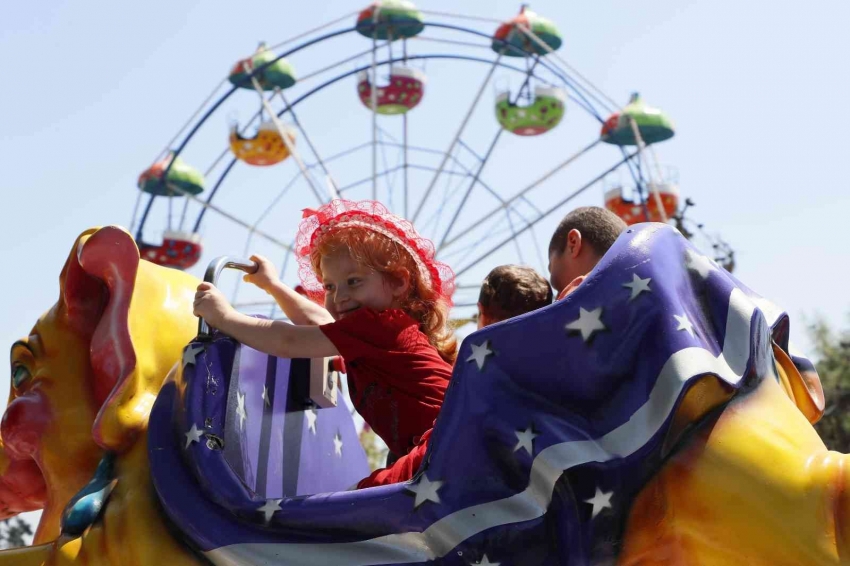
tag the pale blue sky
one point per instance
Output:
(758, 90)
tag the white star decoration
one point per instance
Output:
(269, 508)
(194, 435)
(525, 440)
(480, 353)
(637, 286)
(425, 490)
(684, 324)
(699, 263)
(240, 409)
(189, 354)
(266, 396)
(587, 323)
(486, 562)
(338, 445)
(600, 501)
(311, 415)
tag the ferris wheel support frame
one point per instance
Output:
(525, 190)
(457, 136)
(552, 209)
(483, 162)
(334, 188)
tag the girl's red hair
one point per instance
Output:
(381, 254)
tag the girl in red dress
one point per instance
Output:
(386, 305)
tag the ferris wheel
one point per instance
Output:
(475, 129)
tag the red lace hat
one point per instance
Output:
(370, 215)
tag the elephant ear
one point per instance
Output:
(83, 297)
(139, 318)
(98, 288)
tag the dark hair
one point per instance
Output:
(512, 290)
(599, 228)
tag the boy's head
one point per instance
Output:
(509, 291)
(580, 241)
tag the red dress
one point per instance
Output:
(397, 381)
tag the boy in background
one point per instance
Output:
(509, 291)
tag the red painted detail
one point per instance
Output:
(506, 28)
(367, 15)
(24, 423)
(22, 488)
(155, 171)
(610, 124)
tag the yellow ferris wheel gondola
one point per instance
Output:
(265, 148)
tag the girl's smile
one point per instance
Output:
(350, 286)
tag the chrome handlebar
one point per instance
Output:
(214, 269)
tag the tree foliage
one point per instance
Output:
(832, 359)
(13, 532)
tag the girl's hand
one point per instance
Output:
(211, 305)
(266, 276)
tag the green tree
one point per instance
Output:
(13, 532)
(832, 359)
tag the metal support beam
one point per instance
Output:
(574, 194)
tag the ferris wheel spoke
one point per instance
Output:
(472, 184)
(522, 193)
(531, 205)
(483, 160)
(515, 236)
(390, 179)
(533, 36)
(652, 188)
(191, 119)
(276, 200)
(314, 30)
(543, 262)
(462, 16)
(283, 135)
(282, 273)
(135, 211)
(433, 222)
(363, 181)
(552, 209)
(334, 190)
(637, 175)
(457, 137)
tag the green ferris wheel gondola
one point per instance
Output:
(390, 19)
(653, 125)
(543, 114)
(182, 178)
(511, 40)
(279, 74)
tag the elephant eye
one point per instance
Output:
(19, 375)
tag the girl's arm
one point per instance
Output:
(300, 310)
(277, 338)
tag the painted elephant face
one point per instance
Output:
(85, 378)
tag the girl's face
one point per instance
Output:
(350, 285)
